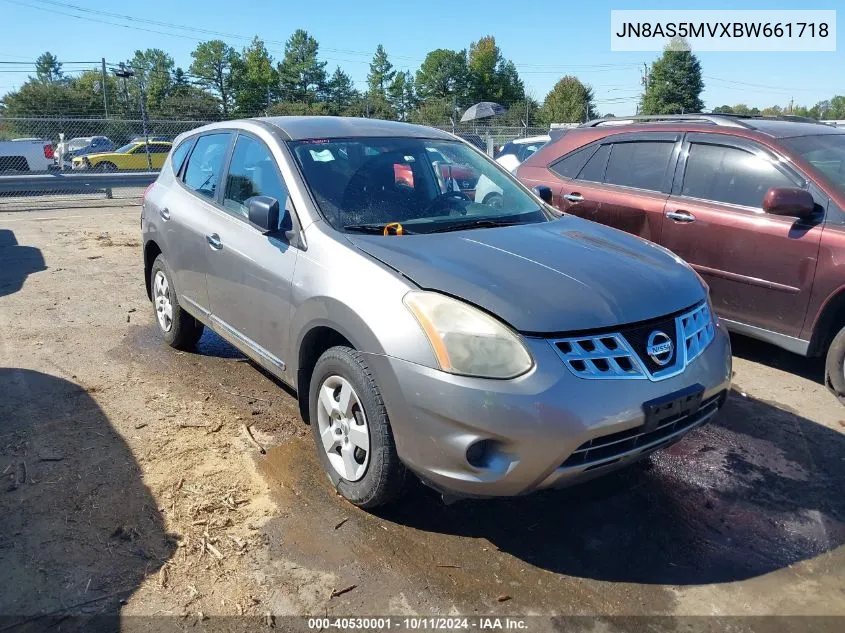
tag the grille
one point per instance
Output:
(624, 354)
(604, 450)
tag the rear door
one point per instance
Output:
(624, 183)
(760, 267)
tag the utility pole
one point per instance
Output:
(105, 88)
(123, 72)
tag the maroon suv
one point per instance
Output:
(756, 206)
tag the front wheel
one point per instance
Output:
(352, 431)
(835, 365)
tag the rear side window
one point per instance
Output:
(640, 164)
(571, 164)
(731, 175)
(252, 172)
(594, 169)
(178, 156)
(206, 163)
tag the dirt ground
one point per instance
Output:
(129, 485)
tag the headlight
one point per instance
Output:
(466, 340)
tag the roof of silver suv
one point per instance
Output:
(300, 128)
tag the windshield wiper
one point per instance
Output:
(373, 227)
(480, 223)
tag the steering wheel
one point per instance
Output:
(443, 199)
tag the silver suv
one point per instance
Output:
(490, 350)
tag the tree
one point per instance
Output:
(772, 111)
(340, 93)
(837, 108)
(490, 76)
(381, 74)
(400, 95)
(302, 77)
(723, 109)
(432, 111)
(570, 101)
(153, 67)
(48, 68)
(443, 75)
(674, 83)
(213, 64)
(254, 80)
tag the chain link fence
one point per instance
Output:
(65, 147)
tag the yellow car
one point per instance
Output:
(132, 157)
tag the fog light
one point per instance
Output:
(481, 453)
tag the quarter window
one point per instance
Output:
(252, 172)
(179, 154)
(640, 164)
(206, 162)
(594, 169)
(571, 164)
(731, 175)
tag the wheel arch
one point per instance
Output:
(827, 325)
(151, 251)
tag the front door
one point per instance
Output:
(759, 267)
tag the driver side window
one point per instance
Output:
(252, 172)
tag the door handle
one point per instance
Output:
(680, 216)
(164, 212)
(214, 241)
(573, 197)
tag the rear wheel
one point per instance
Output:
(178, 328)
(835, 365)
(352, 431)
(493, 200)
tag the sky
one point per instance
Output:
(545, 39)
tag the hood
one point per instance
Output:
(565, 275)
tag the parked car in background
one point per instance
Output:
(129, 157)
(755, 205)
(491, 351)
(163, 138)
(26, 155)
(84, 145)
(515, 152)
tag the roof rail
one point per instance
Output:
(715, 119)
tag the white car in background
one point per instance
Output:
(26, 155)
(511, 156)
(515, 152)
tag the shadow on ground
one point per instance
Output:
(772, 356)
(16, 262)
(755, 491)
(79, 530)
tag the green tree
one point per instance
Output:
(570, 101)
(48, 68)
(490, 76)
(213, 64)
(400, 95)
(837, 108)
(674, 83)
(432, 111)
(153, 67)
(302, 77)
(523, 112)
(340, 93)
(723, 109)
(254, 80)
(443, 75)
(381, 74)
(772, 111)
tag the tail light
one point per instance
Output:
(48, 152)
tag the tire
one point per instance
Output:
(493, 200)
(835, 365)
(178, 328)
(105, 167)
(377, 476)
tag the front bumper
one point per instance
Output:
(533, 423)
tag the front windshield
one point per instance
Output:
(425, 185)
(826, 153)
(126, 148)
(78, 143)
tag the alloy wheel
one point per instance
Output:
(343, 428)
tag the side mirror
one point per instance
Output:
(544, 192)
(789, 201)
(263, 213)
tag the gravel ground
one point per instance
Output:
(129, 486)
